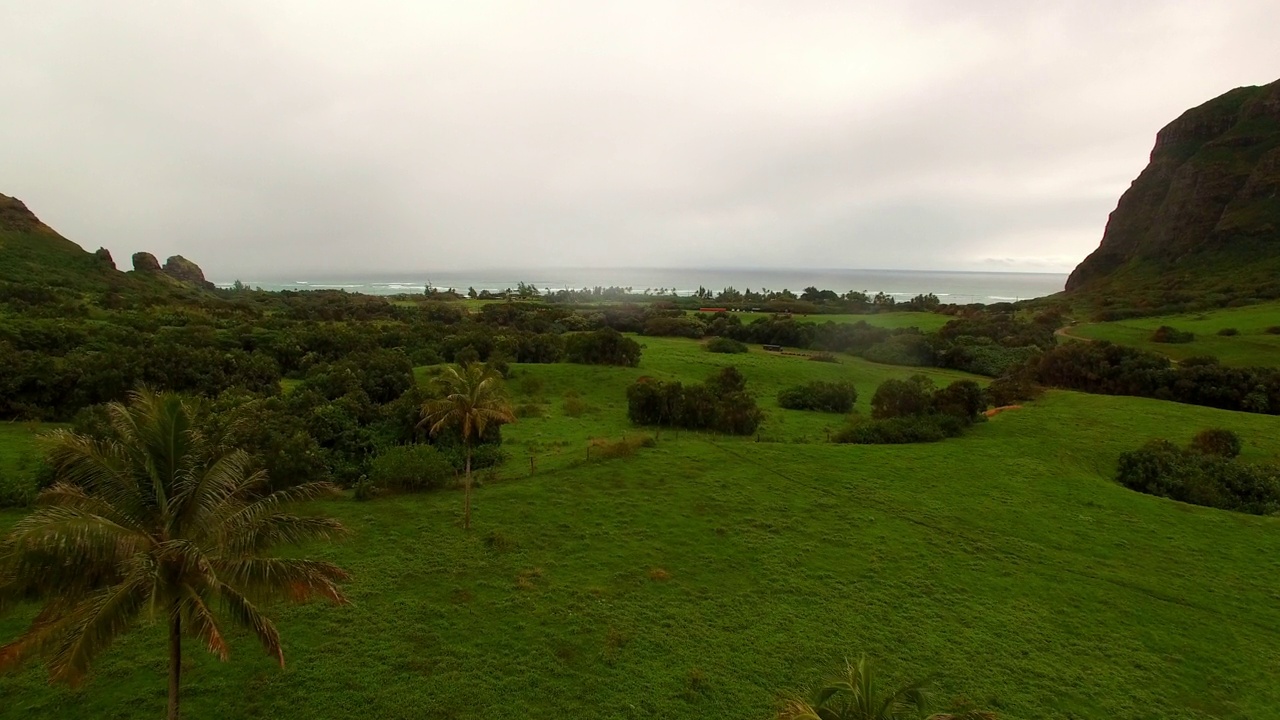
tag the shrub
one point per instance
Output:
(530, 410)
(1273, 330)
(605, 449)
(900, 430)
(410, 468)
(726, 345)
(899, 398)
(721, 403)
(905, 349)
(1228, 332)
(575, 406)
(1217, 441)
(1161, 468)
(602, 347)
(1012, 389)
(674, 327)
(836, 397)
(963, 399)
(1167, 334)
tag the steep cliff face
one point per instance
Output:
(1211, 194)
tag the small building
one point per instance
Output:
(773, 348)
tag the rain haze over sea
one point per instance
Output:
(950, 287)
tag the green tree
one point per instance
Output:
(156, 520)
(475, 399)
(855, 695)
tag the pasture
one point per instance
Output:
(1253, 346)
(705, 576)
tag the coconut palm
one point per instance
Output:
(474, 401)
(854, 695)
(156, 521)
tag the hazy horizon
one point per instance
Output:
(328, 137)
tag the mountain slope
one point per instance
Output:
(1202, 221)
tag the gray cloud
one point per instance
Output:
(274, 138)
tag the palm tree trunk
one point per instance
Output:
(175, 660)
(466, 493)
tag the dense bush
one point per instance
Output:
(900, 430)
(726, 345)
(1167, 334)
(721, 404)
(910, 349)
(602, 347)
(914, 410)
(674, 327)
(1217, 441)
(835, 397)
(1228, 332)
(1161, 468)
(1101, 367)
(900, 398)
(1273, 330)
(410, 468)
(1011, 389)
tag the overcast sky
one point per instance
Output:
(263, 138)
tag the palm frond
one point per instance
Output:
(96, 623)
(248, 617)
(296, 580)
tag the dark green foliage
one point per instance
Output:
(900, 430)
(834, 397)
(602, 347)
(909, 349)
(1167, 334)
(1213, 480)
(963, 399)
(1011, 389)
(721, 404)
(913, 410)
(1217, 441)
(726, 345)
(1228, 332)
(1101, 367)
(410, 468)
(1273, 330)
(682, 326)
(900, 398)
(982, 356)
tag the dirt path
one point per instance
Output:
(1062, 332)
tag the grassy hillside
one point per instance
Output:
(700, 577)
(923, 320)
(1253, 346)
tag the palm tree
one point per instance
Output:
(474, 401)
(854, 695)
(156, 521)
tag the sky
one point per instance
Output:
(261, 137)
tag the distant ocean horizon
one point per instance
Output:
(950, 286)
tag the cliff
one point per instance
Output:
(1204, 216)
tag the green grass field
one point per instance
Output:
(1252, 347)
(702, 577)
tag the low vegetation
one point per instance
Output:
(1204, 473)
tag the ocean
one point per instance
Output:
(950, 287)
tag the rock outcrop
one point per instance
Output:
(1209, 199)
(182, 269)
(104, 256)
(145, 262)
